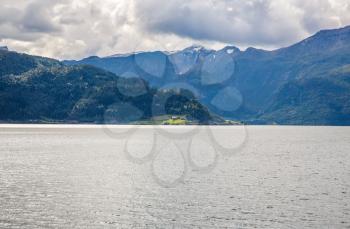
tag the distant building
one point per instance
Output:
(4, 48)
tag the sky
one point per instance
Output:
(73, 29)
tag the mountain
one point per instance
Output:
(37, 89)
(306, 83)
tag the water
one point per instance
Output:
(106, 177)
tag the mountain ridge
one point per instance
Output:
(345, 29)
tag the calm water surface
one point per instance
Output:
(174, 177)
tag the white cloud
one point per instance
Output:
(78, 28)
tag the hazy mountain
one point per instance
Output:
(36, 89)
(306, 83)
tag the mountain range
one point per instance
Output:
(307, 83)
(42, 90)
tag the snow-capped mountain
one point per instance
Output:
(185, 60)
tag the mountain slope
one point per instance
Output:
(311, 102)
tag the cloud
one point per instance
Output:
(77, 28)
(249, 22)
(37, 18)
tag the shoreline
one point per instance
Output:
(94, 125)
